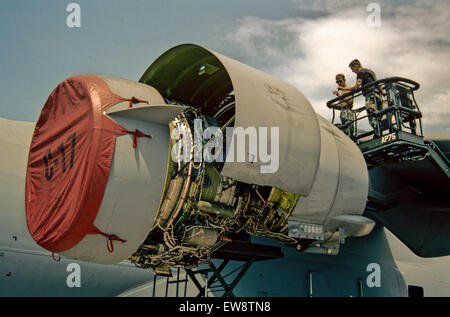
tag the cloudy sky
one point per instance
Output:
(305, 42)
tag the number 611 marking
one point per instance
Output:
(48, 157)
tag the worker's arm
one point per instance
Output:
(356, 86)
(342, 90)
(382, 91)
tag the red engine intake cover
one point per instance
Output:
(69, 162)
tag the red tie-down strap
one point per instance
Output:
(56, 259)
(134, 100)
(109, 239)
(137, 134)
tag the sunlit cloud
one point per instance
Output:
(413, 41)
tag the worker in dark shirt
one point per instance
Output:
(374, 101)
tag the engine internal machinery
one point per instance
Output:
(202, 209)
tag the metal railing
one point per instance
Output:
(397, 109)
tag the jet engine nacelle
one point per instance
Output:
(106, 182)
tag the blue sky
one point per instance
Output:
(116, 38)
(289, 39)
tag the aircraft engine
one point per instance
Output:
(201, 152)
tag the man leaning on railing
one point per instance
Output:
(374, 101)
(346, 106)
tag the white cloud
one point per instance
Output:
(413, 42)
